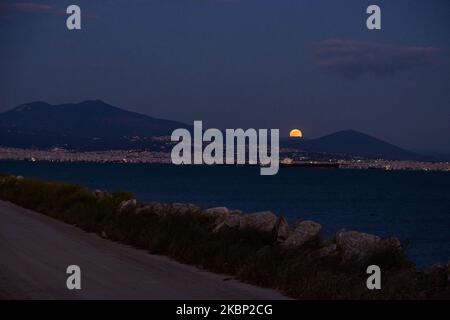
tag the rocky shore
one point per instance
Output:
(260, 248)
(348, 245)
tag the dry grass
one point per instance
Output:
(249, 255)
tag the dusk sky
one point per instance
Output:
(241, 63)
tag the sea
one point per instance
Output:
(412, 205)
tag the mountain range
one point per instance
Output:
(96, 125)
(351, 142)
(89, 125)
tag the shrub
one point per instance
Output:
(249, 255)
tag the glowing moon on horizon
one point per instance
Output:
(295, 133)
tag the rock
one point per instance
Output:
(281, 229)
(104, 235)
(262, 221)
(306, 231)
(183, 208)
(438, 275)
(326, 251)
(231, 221)
(218, 213)
(158, 208)
(145, 208)
(100, 194)
(356, 245)
(193, 208)
(438, 267)
(128, 205)
(19, 177)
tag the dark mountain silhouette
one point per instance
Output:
(96, 125)
(91, 124)
(351, 142)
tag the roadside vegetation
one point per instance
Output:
(187, 234)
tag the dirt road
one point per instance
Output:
(35, 251)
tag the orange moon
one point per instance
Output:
(295, 133)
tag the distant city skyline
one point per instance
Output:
(284, 64)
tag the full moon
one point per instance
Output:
(295, 133)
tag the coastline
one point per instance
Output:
(259, 248)
(163, 157)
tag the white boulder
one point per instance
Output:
(218, 213)
(230, 221)
(262, 221)
(356, 245)
(306, 231)
(127, 205)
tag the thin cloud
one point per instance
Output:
(12, 9)
(25, 7)
(354, 58)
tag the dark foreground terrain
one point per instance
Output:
(260, 248)
(35, 251)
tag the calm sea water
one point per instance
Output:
(414, 206)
